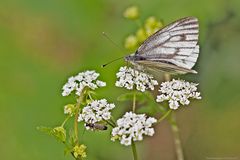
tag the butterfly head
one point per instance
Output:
(130, 58)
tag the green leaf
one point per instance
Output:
(147, 110)
(152, 102)
(58, 132)
(129, 96)
(124, 97)
(150, 108)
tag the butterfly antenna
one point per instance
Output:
(112, 61)
(115, 44)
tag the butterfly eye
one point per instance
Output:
(127, 58)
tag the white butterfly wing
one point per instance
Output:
(174, 44)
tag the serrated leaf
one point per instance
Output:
(59, 133)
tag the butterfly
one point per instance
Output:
(173, 49)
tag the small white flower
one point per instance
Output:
(178, 92)
(101, 83)
(132, 127)
(130, 78)
(96, 111)
(80, 81)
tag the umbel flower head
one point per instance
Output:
(132, 127)
(128, 78)
(96, 111)
(178, 92)
(79, 151)
(79, 82)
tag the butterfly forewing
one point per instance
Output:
(175, 44)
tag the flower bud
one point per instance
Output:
(131, 42)
(131, 13)
(79, 151)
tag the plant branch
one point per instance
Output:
(113, 121)
(134, 102)
(110, 123)
(134, 150)
(66, 119)
(164, 116)
(79, 101)
(76, 126)
(177, 141)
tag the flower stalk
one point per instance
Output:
(110, 123)
(164, 116)
(134, 150)
(79, 101)
(176, 135)
(134, 102)
(66, 119)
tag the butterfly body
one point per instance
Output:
(173, 49)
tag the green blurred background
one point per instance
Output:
(44, 42)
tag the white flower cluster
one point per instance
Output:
(129, 77)
(178, 92)
(96, 111)
(132, 127)
(82, 80)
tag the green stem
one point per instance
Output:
(66, 119)
(79, 101)
(110, 123)
(134, 150)
(177, 141)
(76, 127)
(134, 102)
(164, 116)
(113, 121)
(89, 95)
